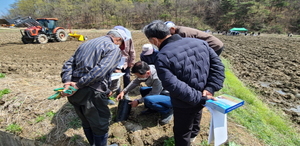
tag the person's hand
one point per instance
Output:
(208, 95)
(130, 65)
(71, 84)
(134, 103)
(120, 96)
(66, 87)
(110, 93)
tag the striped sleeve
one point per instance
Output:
(67, 69)
(106, 63)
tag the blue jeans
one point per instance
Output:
(159, 103)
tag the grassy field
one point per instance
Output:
(268, 124)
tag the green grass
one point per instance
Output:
(50, 114)
(14, 128)
(2, 75)
(39, 119)
(232, 144)
(4, 91)
(74, 123)
(75, 137)
(266, 123)
(42, 138)
(204, 143)
(169, 142)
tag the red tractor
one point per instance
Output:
(41, 30)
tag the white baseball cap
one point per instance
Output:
(170, 24)
(128, 33)
(147, 49)
(119, 33)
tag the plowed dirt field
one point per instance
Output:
(267, 63)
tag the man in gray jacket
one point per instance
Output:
(191, 71)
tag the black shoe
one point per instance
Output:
(148, 111)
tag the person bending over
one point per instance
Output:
(152, 96)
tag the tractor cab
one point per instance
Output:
(49, 23)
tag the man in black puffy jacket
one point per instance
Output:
(191, 71)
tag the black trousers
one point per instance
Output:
(186, 124)
(126, 77)
(91, 107)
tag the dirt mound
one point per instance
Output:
(268, 64)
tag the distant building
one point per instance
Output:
(7, 22)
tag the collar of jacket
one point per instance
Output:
(172, 38)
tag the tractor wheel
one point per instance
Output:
(27, 40)
(42, 39)
(61, 35)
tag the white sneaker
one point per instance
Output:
(111, 102)
(126, 97)
(166, 118)
(192, 139)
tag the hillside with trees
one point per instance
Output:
(268, 16)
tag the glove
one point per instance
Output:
(57, 95)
